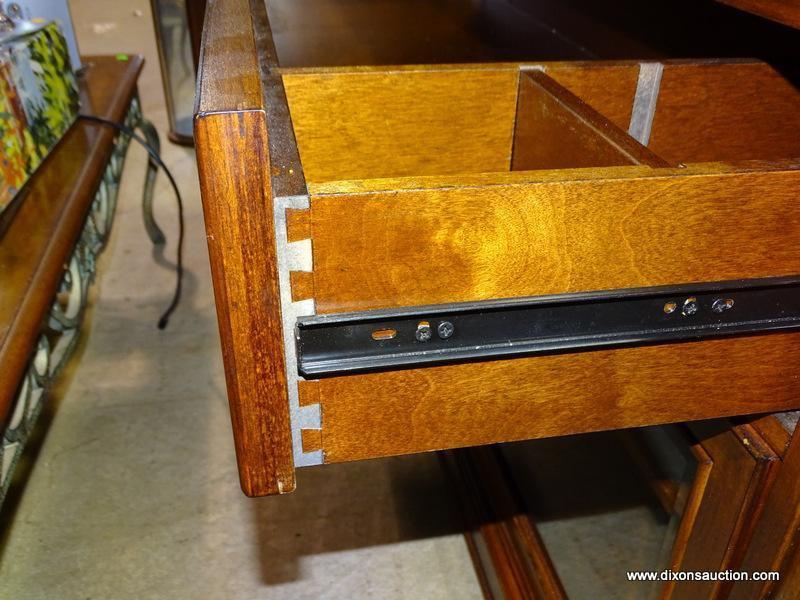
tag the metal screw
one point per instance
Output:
(670, 307)
(423, 333)
(690, 306)
(720, 305)
(445, 329)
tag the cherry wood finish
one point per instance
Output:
(772, 431)
(775, 539)
(234, 164)
(413, 201)
(743, 465)
(734, 471)
(744, 468)
(437, 243)
(50, 213)
(782, 11)
(726, 112)
(528, 398)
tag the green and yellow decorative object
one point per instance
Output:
(38, 100)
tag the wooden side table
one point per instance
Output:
(49, 243)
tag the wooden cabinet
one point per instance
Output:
(351, 186)
(362, 188)
(708, 483)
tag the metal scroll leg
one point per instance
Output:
(153, 230)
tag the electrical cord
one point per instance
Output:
(164, 320)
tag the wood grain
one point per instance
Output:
(692, 506)
(557, 176)
(768, 465)
(741, 475)
(415, 410)
(772, 431)
(311, 439)
(240, 165)
(48, 219)
(431, 246)
(608, 88)
(228, 77)
(286, 170)
(726, 111)
(789, 586)
(509, 556)
(396, 123)
(782, 11)
(775, 539)
(298, 224)
(302, 284)
(233, 163)
(308, 392)
(555, 129)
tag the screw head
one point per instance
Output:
(670, 307)
(423, 333)
(690, 306)
(720, 305)
(445, 329)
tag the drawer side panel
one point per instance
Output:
(399, 123)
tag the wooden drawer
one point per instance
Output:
(330, 190)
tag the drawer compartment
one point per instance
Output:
(499, 209)
(355, 189)
(559, 199)
(411, 123)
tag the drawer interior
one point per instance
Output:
(555, 129)
(383, 124)
(438, 185)
(714, 111)
(726, 112)
(407, 122)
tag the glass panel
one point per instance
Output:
(177, 68)
(606, 504)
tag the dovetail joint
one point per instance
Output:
(295, 256)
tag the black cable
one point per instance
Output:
(162, 322)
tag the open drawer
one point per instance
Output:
(364, 221)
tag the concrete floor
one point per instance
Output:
(134, 493)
